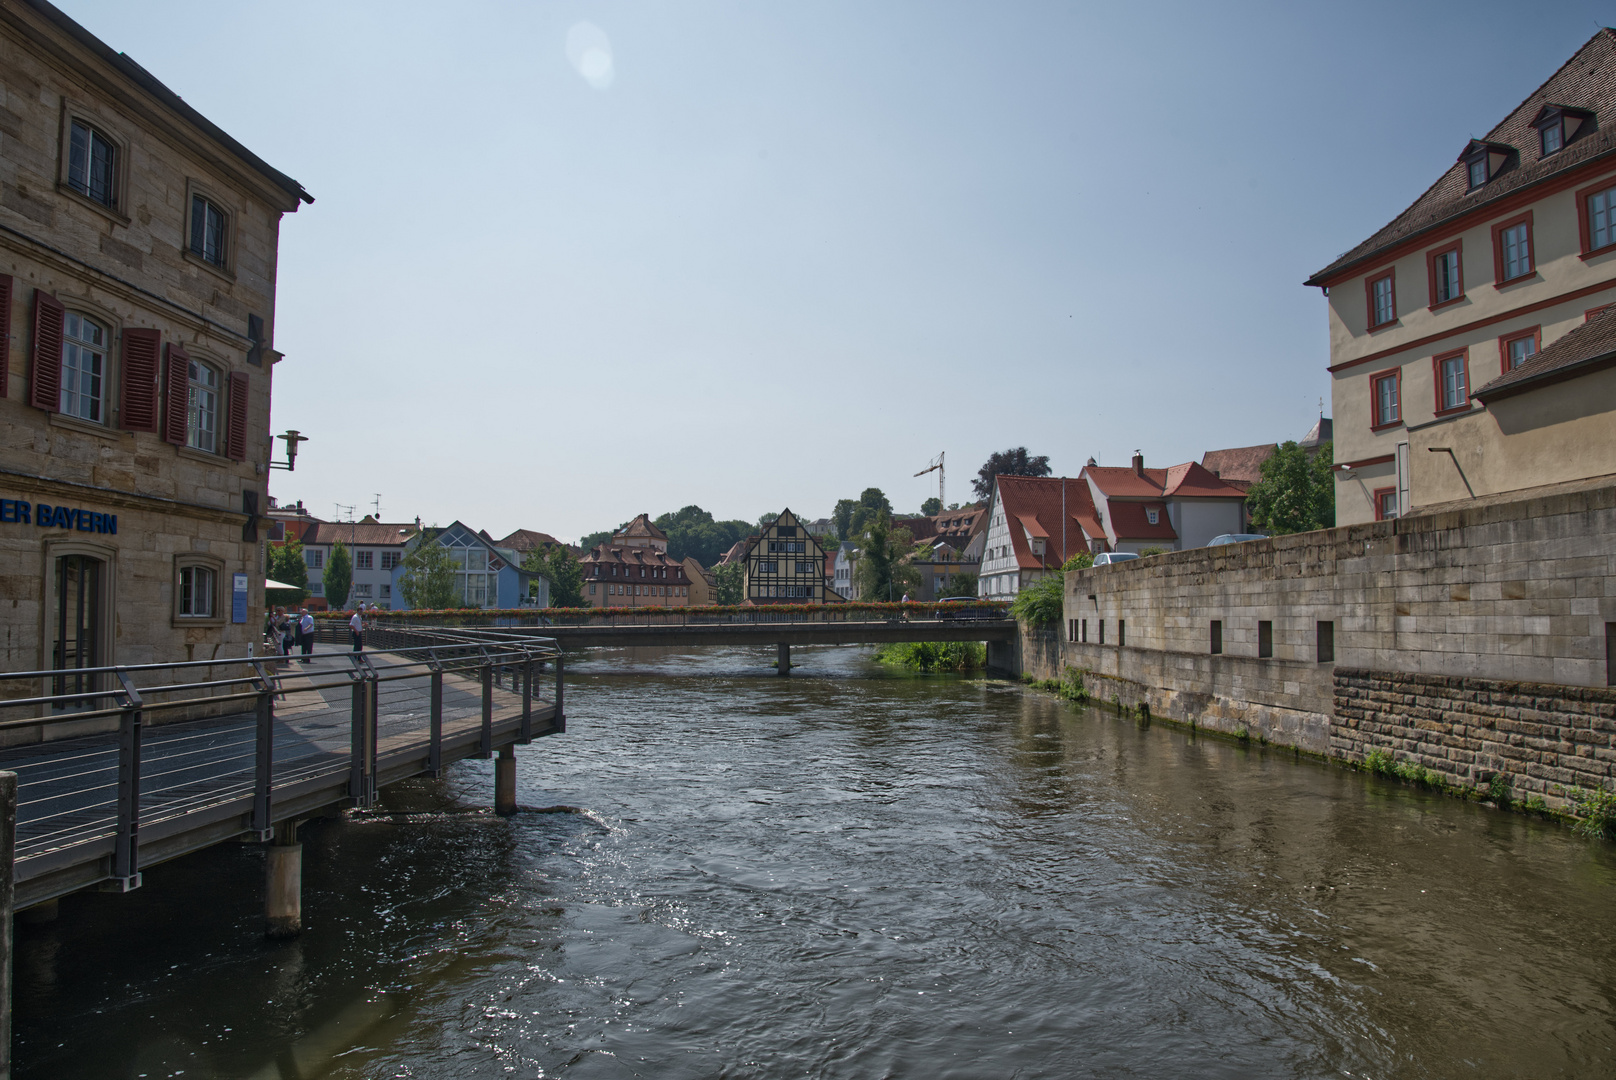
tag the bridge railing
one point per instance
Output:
(97, 765)
(652, 615)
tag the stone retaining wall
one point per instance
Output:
(1544, 739)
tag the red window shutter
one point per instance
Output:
(45, 366)
(235, 436)
(5, 335)
(178, 377)
(137, 402)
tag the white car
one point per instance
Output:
(1106, 558)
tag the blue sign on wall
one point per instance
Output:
(238, 598)
(46, 516)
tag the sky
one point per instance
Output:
(569, 262)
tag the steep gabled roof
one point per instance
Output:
(360, 534)
(1033, 504)
(1189, 480)
(1589, 347)
(1586, 81)
(642, 526)
(1131, 521)
(525, 540)
(1238, 465)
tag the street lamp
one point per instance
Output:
(292, 439)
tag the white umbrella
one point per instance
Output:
(271, 583)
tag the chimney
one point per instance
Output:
(1138, 463)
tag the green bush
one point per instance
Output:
(928, 656)
(1043, 603)
(1596, 812)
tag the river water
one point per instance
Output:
(856, 873)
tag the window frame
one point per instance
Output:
(1378, 497)
(1389, 274)
(1585, 231)
(220, 389)
(1498, 230)
(1375, 422)
(75, 112)
(194, 561)
(1457, 248)
(1463, 356)
(1504, 340)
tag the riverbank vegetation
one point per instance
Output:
(929, 656)
(1043, 602)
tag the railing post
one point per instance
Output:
(126, 845)
(362, 737)
(527, 698)
(560, 693)
(434, 751)
(486, 747)
(264, 766)
(8, 857)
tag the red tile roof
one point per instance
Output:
(1586, 81)
(360, 534)
(1131, 521)
(1240, 465)
(1186, 481)
(1033, 503)
(1589, 347)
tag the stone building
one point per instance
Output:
(137, 304)
(1510, 250)
(634, 569)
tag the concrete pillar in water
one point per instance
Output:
(782, 662)
(283, 886)
(505, 780)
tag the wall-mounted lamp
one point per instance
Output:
(292, 439)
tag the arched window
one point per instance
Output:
(202, 408)
(84, 368)
(92, 164)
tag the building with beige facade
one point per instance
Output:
(137, 306)
(785, 564)
(1435, 317)
(633, 569)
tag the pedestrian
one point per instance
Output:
(905, 599)
(305, 636)
(288, 632)
(356, 627)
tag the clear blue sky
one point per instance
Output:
(771, 254)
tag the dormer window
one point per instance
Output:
(1560, 125)
(1483, 160)
(1153, 516)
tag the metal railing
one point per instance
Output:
(661, 616)
(122, 749)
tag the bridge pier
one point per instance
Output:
(283, 886)
(505, 780)
(782, 659)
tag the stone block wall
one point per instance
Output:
(1544, 739)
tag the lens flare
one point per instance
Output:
(590, 52)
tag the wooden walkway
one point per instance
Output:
(197, 778)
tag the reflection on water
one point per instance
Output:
(850, 873)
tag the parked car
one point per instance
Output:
(1234, 538)
(1106, 558)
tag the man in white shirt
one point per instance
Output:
(356, 627)
(305, 636)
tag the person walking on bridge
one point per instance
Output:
(305, 636)
(356, 627)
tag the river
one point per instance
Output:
(855, 873)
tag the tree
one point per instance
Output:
(595, 539)
(1080, 561)
(429, 580)
(766, 520)
(693, 533)
(1296, 492)
(1008, 463)
(931, 507)
(885, 567)
(287, 565)
(338, 577)
(564, 572)
(871, 503)
(842, 518)
(960, 584)
(731, 579)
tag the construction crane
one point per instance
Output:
(937, 467)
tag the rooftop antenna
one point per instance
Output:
(936, 465)
(340, 508)
(378, 506)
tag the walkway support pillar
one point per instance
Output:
(283, 885)
(782, 661)
(8, 856)
(505, 781)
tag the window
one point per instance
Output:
(1387, 398)
(391, 559)
(1596, 209)
(207, 231)
(1516, 349)
(1452, 383)
(1551, 138)
(202, 408)
(1152, 515)
(768, 568)
(84, 360)
(1083, 632)
(1122, 632)
(1478, 172)
(1447, 279)
(315, 557)
(1512, 249)
(361, 591)
(363, 560)
(92, 164)
(196, 592)
(1265, 638)
(1217, 636)
(786, 530)
(1102, 631)
(1324, 637)
(805, 568)
(1385, 503)
(387, 591)
(1382, 300)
